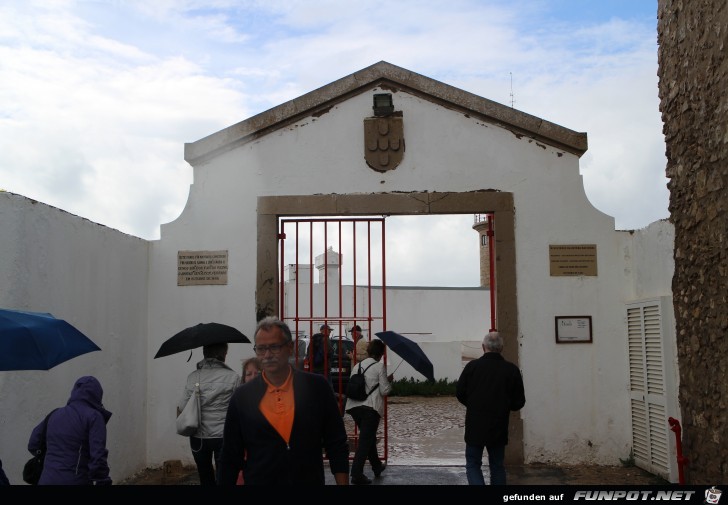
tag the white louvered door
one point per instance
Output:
(653, 394)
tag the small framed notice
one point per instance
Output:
(573, 329)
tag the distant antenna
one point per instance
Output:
(512, 99)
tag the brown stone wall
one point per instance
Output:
(693, 71)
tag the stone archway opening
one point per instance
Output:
(271, 208)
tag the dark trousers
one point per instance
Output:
(205, 450)
(474, 463)
(367, 421)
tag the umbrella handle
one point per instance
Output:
(401, 361)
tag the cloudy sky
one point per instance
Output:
(98, 97)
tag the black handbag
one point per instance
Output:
(34, 466)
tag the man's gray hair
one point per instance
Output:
(493, 342)
(270, 322)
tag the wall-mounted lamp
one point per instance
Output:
(383, 105)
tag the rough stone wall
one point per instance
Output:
(693, 71)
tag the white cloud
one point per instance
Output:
(98, 98)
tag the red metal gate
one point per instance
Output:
(349, 254)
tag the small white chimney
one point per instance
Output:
(328, 265)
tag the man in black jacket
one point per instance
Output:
(277, 423)
(490, 388)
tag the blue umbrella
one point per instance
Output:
(409, 351)
(38, 341)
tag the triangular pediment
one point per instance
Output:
(394, 78)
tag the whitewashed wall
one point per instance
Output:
(95, 278)
(648, 259)
(577, 406)
(572, 412)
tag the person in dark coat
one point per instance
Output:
(490, 388)
(76, 451)
(278, 423)
(319, 350)
(3, 478)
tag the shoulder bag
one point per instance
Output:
(34, 466)
(189, 419)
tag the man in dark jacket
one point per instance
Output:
(490, 388)
(277, 423)
(320, 350)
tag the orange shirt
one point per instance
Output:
(277, 406)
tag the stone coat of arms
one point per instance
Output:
(383, 142)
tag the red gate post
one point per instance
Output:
(681, 460)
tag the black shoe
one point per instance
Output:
(378, 471)
(360, 480)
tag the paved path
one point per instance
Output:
(426, 447)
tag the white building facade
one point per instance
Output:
(441, 151)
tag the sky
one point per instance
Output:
(98, 97)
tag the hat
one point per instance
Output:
(355, 327)
(321, 328)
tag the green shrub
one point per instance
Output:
(629, 462)
(411, 387)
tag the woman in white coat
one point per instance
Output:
(367, 413)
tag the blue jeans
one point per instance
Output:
(204, 450)
(474, 464)
(367, 420)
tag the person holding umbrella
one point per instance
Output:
(217, 382)
(490, 388)
(367, 413)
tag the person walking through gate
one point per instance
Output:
(277, 423)
(490, 388)
(217, 383)
(367, 413)
(361, 345)
(251, 369)
(319, 350)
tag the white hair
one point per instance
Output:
(493, 342)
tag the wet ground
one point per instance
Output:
(425, 446)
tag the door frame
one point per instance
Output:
(270, 208)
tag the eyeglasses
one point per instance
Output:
(260, 350)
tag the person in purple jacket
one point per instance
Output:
(76, 439)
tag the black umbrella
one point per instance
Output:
(200, 335)
(408, 351)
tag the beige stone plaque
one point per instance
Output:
(573, 259)
(200, 268)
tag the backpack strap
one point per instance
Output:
(365, 370)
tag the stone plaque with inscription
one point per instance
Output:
(573, 259)
(200, 268)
